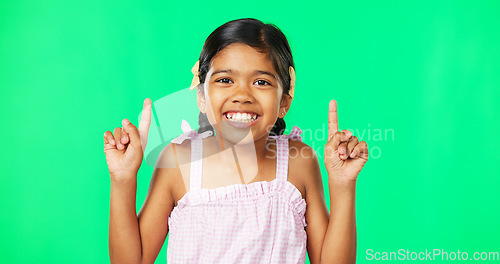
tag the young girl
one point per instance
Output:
(238, 190)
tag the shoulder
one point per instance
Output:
(304, 164)
(301, 152)
(171, 154)
(169, 165)
(174, 155)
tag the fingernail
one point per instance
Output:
(113, 141)
(126, 122)
(124, 140)
(352, 154)
(119, 145)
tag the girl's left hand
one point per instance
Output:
(345, 156)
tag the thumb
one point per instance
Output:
(135, 139)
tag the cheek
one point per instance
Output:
(270, 107)
(214, 99)
(214, 104)
(270, 100)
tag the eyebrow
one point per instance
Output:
(256, 72)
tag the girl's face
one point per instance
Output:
(243, 97)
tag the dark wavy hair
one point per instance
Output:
(265, 38)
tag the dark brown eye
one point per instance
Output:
(262, 82)
(223, 80)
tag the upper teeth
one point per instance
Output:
(241, 117)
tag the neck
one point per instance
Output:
(246, 151)
(250, 156)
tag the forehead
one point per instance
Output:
(242, 57)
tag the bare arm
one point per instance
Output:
(331, 238)
(124, 236)
(345, 156)
(339, 245)
(139, 238)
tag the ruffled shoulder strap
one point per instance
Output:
(189, 133)
(283, 152)
(294, 134)
(196, 152)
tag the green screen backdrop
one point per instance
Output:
(417, 80)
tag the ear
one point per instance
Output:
(285, 105)
(287, 98)
(202, 104)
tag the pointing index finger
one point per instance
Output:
(145, 120)
(333, 123)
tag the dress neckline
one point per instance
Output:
(237, 185)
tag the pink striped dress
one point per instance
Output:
(260, 222)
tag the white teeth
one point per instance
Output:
(241, 117)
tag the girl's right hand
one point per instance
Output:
(124, 148)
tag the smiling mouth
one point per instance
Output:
(241, 119)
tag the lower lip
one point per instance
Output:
(240, 124)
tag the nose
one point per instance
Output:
(242, 94)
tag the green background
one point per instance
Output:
(422, 77)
